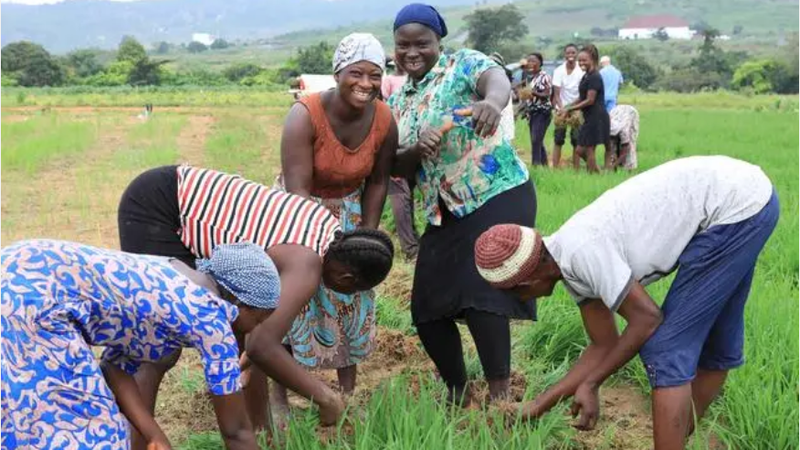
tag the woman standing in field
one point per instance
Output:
(337, 149)
(186, 212)
(471, 179)
(595, 128)
(61, 298)
(537, 106)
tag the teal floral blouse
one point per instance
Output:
(470, 170)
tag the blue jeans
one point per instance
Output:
(704, 310)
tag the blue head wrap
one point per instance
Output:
(422, 14)
(245, 270)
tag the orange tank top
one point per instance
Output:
(339, 170)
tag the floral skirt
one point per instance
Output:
(336, 330)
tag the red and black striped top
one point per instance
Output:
(218, 208)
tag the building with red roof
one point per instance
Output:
(644, 27)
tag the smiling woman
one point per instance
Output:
(337, 149)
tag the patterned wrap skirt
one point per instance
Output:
(335, 330)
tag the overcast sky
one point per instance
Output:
(42, 2)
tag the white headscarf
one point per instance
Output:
(358, 47)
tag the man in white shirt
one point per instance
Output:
(566, 81)
(707, 216)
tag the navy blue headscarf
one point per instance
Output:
(422, 14)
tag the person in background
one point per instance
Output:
(392, 82)
(612, 81)
(471, 178)
(624, 135)
(60, 299)
(709, 217)
(337, 149)
(566, 81)
(401, 190)
(538, 108)
(595, 128)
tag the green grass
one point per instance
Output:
(29, 144)
(237, 145)
(152, 143)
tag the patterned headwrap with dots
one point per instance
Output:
(246, 271)
(507, 254)
(357, 47)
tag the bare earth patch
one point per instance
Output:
(192, 140)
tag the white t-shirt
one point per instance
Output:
(568, 83)
(637, 230)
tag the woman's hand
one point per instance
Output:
(587, 403)
(486, 118)
(331, 409)
(430, 139)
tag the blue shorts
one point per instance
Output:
(704, 309)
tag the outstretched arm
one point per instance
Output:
(131, 404)
(300, 270)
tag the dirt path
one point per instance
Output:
(192, 140)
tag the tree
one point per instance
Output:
(756, 75)
(490, 27)
(130, 50)
(196, 47)
(237, 72)
(31, 65)
(162, 48)
(634, 67)
(219, 44)
(689, 79)
(737, 30)
(661, 34)
(315, 59)
(83, 63)
(712, 59)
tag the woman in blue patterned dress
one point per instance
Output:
(60, 298)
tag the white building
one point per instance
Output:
(203, 38)
(644, 27)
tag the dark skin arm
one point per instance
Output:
(297, 151)
(300, 271)
(130, 402)
(377, 184)
(643, 316)
(599, 323)
(591, 96)
(233, 421)
(556, 98)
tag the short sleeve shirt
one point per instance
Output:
(612, 79)
(470, 169)
(568, 83)
(638, 230)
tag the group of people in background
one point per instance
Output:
(269, 281)
(589, 85)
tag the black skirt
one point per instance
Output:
(446, 281)
(148, 216)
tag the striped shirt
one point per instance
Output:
(217, 208)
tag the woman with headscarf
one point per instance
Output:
(62, 298)
(448, 116)
(337, 149)
(186, 212)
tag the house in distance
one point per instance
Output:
(645, 27)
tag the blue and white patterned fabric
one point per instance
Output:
(246, 271)
(59, 299)
(357, 47)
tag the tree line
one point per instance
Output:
(496, 29)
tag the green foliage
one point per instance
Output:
(689, 79)
(219, 44)
(634, 66)
(83, 63)
(490, 27)
(237, 72)
(31, 65)
(757, 75)
(315, 59)
(196, 47)
(661, 35)
(162, 48)
(116, 74)
(130, 50)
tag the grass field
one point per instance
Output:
(66, 166)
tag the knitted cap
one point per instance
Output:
(507, 254)
(246, 271)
